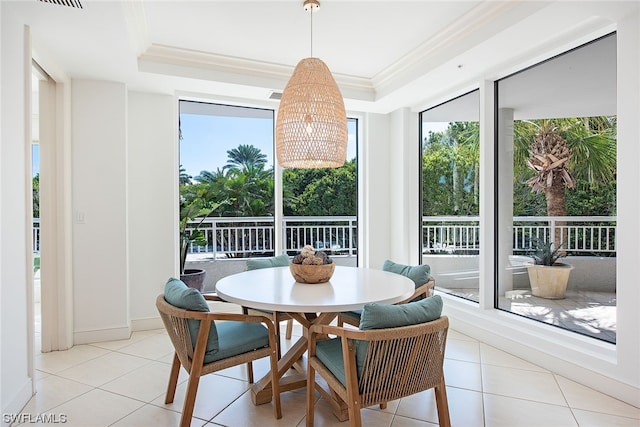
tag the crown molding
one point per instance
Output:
(209, 66)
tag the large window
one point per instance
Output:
(320, 205)
(227, 173)
(450, 136)
(556, 190)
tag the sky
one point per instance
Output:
(207, 138)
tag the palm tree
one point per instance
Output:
(245, 157)
(559, 151)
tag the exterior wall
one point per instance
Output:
(590, 273)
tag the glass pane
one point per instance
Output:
(450, 135)
(557, 191)
(320, 206)
(226, 178)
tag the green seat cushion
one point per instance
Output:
(380, 316)
(178, 294)
(420, 274)
(238, 337)
(355, 314)
(274, 261)
(330, 354)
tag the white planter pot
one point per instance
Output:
(549, 281)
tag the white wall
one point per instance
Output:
(99, 200)
(377, 172)
(15, 386)
(152, 202)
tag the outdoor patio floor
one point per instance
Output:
(585, 312)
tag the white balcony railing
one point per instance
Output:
(244, 237)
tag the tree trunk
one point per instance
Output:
(557, 206)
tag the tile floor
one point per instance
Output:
(122, 383)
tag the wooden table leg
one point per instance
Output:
(261, 390)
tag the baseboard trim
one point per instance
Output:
(17, 404)
(147, 324)
(101, 335)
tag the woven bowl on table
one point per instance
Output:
(304, 273)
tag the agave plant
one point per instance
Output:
(544, 253)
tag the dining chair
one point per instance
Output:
(276, 316)
(421, 276)
(384, 361)
(206, 342)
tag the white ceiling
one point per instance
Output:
(384, 54)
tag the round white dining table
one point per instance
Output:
(350, 288)
(275, 289)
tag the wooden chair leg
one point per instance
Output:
(250, 372)
(311, 385)
(190, 399)
(173, 379)
(383, 405)
(442, 405)
(275, 386)
(289, 329)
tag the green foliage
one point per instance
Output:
(316, 192)
(544, 253)
(35, 183)
(450, 176)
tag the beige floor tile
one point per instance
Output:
(97, 408)
(153, 416)
(597, 419)
(215, 393)
(455, 335)
(492, 356)
(56, 361)
(324, 417)
(145, 383)
(582, 397)
(118, 344)
(461, 374)
(523, 384)
(243, 413)
(52, 391)
(469, 351)
(465, 407)
(103, 369)
(399, 421)
(501, 411)
(153, 347)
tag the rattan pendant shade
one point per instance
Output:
(311, 128)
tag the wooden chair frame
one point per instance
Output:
(399, 362)
(192, 358)
(426, 290)
(276, 317)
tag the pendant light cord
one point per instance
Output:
(311, 36)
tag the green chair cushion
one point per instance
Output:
(238, 337)
(380, 316)
(330, 354)
(420, 274)
(275, 261)
(355, 314)
(178, 294)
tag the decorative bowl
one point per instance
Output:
(306, 273)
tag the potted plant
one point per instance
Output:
(195, 209)
(547, 276)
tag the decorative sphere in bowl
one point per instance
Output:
(309, 273)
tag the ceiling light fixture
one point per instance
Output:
(311, 128)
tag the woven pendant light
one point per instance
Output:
(311, 128)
